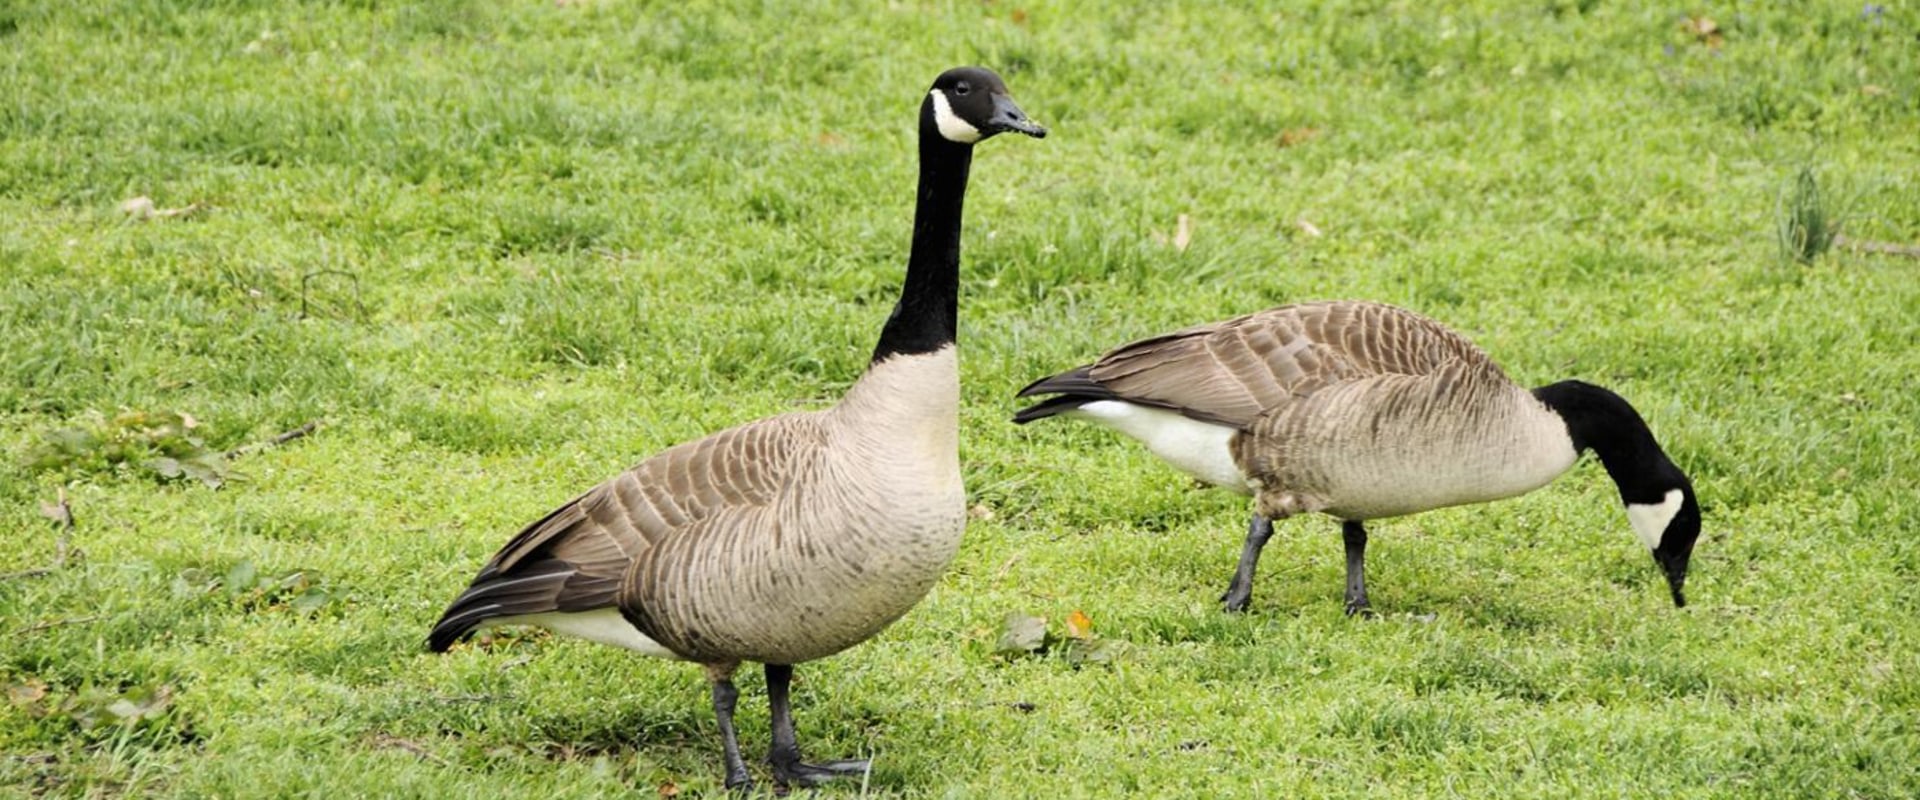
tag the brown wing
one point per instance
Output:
(575, 558)
(1234, 371)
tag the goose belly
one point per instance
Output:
(1202, 450)
(1391, 472)
(808, 585)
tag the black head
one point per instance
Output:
(1658, 496)
(970, 104)
(1669, 526)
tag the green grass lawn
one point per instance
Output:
(503, 250)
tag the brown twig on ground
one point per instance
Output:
(388, 741)
(1884, 248)
(276, 441)
(55, 623)
(61, 512)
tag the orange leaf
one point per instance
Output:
(1079, 626)
(1296, 136)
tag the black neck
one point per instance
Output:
(1605, 423)
(925, 319)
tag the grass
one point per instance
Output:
(505, 250)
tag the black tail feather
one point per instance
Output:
(1074, 381)
(1075, 388)
(1051, 406)
(532, 587)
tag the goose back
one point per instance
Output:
(1235, 371)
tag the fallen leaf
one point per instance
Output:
(1019, 16)
(26, 692)
(1182, 233)
(830, 139)
(1091, 651)
(1309, 228)
(1872, 90)
(58, 511)
(141, 703)
(1296, 136)
(1022, 634)
(668, 789)
(265, 39)
(1704, 30)
(311, 599)
(242, 577)
(138, 208)
(981, 512)
(143, 208)
(1079, 626)
(388, 741)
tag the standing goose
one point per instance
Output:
(789, 538)
(1364, 411)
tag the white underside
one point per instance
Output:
(604, 625)
(1200, 449)
(1650, 520)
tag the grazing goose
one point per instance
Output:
(793, 537)
(1364, 411)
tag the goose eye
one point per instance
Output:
(962, 88)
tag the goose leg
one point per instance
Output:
(724, 696)
(1356, 536)
(1240, 591)
(785, 755)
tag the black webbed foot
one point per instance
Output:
(794, 772)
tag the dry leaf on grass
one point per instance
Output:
(142, 208)
(27, 692)
(1022, 634)
(1079, 626)
(59, 511)
(1296, 136)
(1704, 30)
(388, 741)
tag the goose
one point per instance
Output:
(790, 538)
(1364, 411)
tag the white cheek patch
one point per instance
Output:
(1650, 519)
(952, 127)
